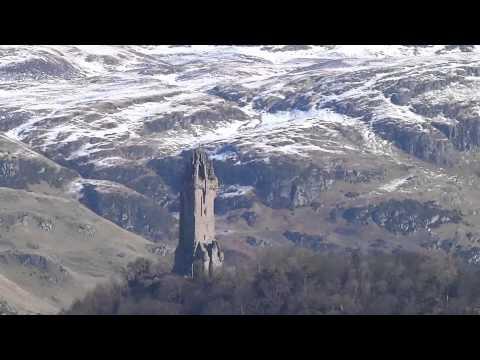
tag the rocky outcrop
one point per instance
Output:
(48, 66)
(20, 173)
(181, 120)
(130, 210)
(289, 184)
(291, 101)
(314, 242)
(462, 126)
(42, 223)
(260, 243)
(412, 87)
(234, 198)
(464, 135)
(21, 168)
(278, 183)
(424, 142)
(198, 252)
(45, 268)
(237, 94)
(402, 216)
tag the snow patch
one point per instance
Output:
(394, 184)
(236, 190)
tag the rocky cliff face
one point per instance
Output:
(403, 216)
(129, 209)
(198, 253)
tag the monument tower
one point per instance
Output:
(198, 252)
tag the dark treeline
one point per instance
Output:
(297, 281)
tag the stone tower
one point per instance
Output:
(198, 253)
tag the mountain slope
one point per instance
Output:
(332, 147)
(52, 250)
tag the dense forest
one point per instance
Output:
(298, 281)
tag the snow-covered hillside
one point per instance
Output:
(85, 101)
(310, 131)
